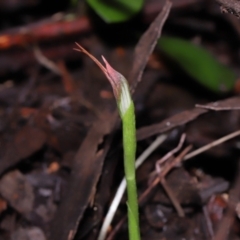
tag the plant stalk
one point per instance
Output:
(129, 146)
(126, 110)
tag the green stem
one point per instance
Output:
(126, 110)
(129, 146)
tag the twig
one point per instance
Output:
(164, 172)
(45, 61)
(170, 153)
(211, 145)
(172, 197)
(67, 79)
(215, 107)
(47, 30)
(167, 189)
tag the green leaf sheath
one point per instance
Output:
(129, 145)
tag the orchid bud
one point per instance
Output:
(117, 80)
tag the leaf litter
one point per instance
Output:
(61, 147)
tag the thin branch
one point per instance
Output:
(211, 145)
(172, 197)
(164, 172)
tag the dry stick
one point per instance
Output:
(44, 61)
(215, 107)
(172, 197)
(188, 156)
(170, 153)
(211, 145)
(52, 66)
(167, 189)
(164, 172)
